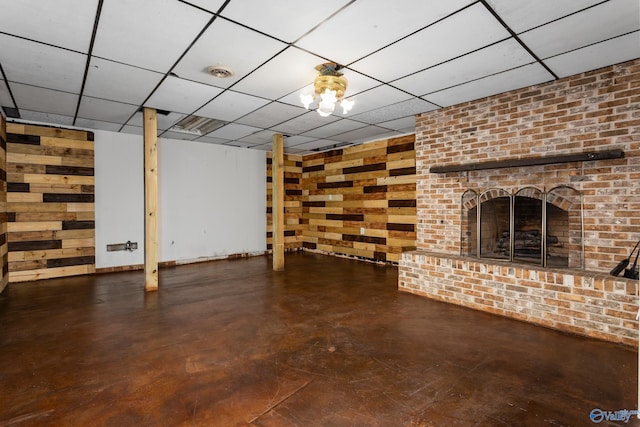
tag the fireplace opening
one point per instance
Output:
(528, 226)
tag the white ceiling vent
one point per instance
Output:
(195, 125)
(220, 71)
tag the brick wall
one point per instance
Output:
(4, 258)
(599, 110)
(591, 304)
(50, 202)
(293, 227)
(594, 111)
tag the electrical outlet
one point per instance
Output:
(361, 230)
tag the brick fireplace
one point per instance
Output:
(555, 171)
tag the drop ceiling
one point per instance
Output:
(94, 64)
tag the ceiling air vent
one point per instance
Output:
(11, 113)
(220, 71)
(195, 125)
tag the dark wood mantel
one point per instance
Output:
(530, 161)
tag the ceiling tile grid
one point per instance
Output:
(94, 64)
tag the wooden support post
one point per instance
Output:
(277, 182)
(150, 199)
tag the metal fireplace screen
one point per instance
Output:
(528, 226)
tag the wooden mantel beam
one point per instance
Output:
(530, 161)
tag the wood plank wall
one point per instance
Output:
(50, 202)
(358, 201)
(4, 258)
(361, 201)
(293, 228)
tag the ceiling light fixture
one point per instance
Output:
(329, 87)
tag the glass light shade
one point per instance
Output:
(346, 105)
(327, 103)
(306, 99)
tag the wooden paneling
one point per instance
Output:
(50, 202)
(361, 201)
(4, 258)
(358, 201)
(293, 227)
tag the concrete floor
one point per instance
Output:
(327, 342)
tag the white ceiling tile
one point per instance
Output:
(233, 131)
(463, 32)
(299, 16)
(521, 15)
(64, 23)
(498, 83)
(399, 110)
(105, 111)
(150, 34)
(96, 124)
(365, 26)
(304, 123)
(133, 130)
(262, 137)
(37, 64)
(610, 19)
(178, 135)
(286, 73)
(5, 96)
(357, 82)
(490, 60)
(119, 82)
(272, 114)
(210, 140)
(231, 105)
(44, 100)
(184, 96)
(165, 121)
(335, 128)
(211, 5)
(406, 124)
(265, 147)
(376, 98)
(599, 55)
(46, 118)
(292, 141)
(365, 134)
(213, 48)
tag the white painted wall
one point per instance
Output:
(212, 199)
(119, 178)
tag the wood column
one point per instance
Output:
(150, 199)
(277, 182)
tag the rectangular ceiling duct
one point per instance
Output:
(195, 125)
